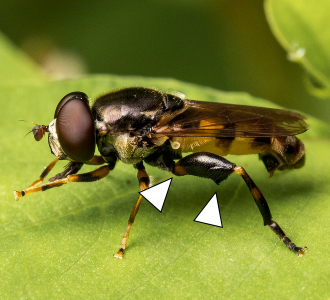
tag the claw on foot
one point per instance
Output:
(18, 195)
(301, 251)
(119, 254)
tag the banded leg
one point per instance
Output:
(70, 169)
(96, 160)
(217, 168)
(45, 173)
(74, 167)
(85, 177)
(264, 209)
(143, 184)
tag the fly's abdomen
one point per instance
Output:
(286, 152)
(222, 146)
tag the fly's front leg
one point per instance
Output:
(144, 182)
(72, 168)
(85, 177)
(217, 168)
(96, 160)
(45, 173)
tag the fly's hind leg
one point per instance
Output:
(264, 209)
(144, 182)
(217, 168)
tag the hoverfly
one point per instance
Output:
(137, 125)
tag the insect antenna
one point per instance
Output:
(28, 133)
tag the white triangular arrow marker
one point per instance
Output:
(210, 214)
(156, 195)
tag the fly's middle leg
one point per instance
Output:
(144, 182)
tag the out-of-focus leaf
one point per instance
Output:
(15, 66)
(303, 29)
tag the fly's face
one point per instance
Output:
(53, 141)
(72, 132)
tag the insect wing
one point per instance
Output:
(210, 119)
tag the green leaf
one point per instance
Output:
(59, 244)
(302, 28)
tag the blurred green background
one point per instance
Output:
(224, 44)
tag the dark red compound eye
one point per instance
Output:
(75, 127)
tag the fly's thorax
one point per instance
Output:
(129, 149)
(134, 109)
(53, 141)
(124, 121)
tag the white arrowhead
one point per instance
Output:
(210, 214)
(156, 195)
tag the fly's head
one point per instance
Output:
(72, 132)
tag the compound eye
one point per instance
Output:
(69, 97)
(75, 127)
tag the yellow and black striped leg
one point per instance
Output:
(217, 168)
(85, 177)
(143, 184)
(45, 173)
(73, 167)
(265, 212)
(96, 160)
(70, 169)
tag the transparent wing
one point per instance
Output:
(207, 119)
